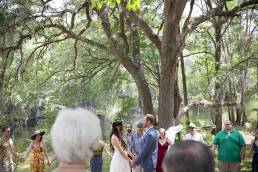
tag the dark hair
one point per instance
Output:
(187, 156)
(115, 132)
(34, 137)
(255, 138)
(5, 127)
(151, 118)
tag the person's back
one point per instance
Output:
(188, 156)
(74, 135)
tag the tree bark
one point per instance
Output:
(184, 87)
(144, 92)
(132, 65)
(257, 92)
(241, 116)
(231, 109)
(167, 109)
(217, 24)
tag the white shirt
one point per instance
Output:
(195, 137)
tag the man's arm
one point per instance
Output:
(145, 149)
(15, 154)
(251, 148)
(213, 150)
(243, 148)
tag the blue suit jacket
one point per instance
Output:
(148, 155)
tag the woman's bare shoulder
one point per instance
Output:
(114, 138)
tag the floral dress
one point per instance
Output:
(37, 160)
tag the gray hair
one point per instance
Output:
(74, 134)
(188, 156)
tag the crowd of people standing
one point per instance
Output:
(76, 137)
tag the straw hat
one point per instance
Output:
(36, 133)
(192, 125)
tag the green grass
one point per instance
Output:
(245, 165)
(24, 167)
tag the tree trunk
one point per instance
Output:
(177, 98)
(144, 92)
(241, 116)
(257, 91)
(168, 90)
(132, 64)
(184, 87)
(217, 24)
(231, 108)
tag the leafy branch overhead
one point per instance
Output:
(137, 41)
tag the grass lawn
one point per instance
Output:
(25, 166)
(246, 165)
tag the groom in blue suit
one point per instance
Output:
(148, 156)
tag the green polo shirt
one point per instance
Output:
(229, 145)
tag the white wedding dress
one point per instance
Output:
(119, 163)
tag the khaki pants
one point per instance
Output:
(229, 166)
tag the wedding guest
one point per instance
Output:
(148, 156)
(231, 148)
(129, 133)
(163, 146)
(193, 135)
(96, 161)
(188, 156)
(74, 135)
(254, 152)
(7, 151)
(39, 152)
(136, 147)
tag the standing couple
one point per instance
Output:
(147, 158)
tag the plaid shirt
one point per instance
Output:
(6, 146)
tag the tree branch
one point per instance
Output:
(194, 22)
(77, 36)
(202, 103)
(146, 29)
(18, 44)
(122, 31)
(243, 61)
(217, 12)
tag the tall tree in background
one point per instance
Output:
(122, 24)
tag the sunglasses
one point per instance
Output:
(227, 124)
(8, 131)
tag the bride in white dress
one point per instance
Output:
(120, 160)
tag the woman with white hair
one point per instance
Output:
(163, 146)
(74, 135)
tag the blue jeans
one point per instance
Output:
(96, 163)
